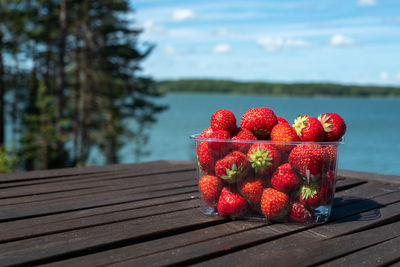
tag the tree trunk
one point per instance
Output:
(2, 92)
(60, 80)
(76, 119)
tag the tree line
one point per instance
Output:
(70, 82)
(268, 88)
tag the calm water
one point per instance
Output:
(372, 141)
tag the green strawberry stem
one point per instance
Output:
(309, 190)
(260, 160)
(323, 119)
(299, 124)
(234, 174)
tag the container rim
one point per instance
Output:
(197, 137)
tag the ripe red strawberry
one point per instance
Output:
(205, 158)
(219, 149)
(233, 167)
(243, 135)
(298, 213)
(282, 120)
(334, 126)
(309, 128)
(331, 156)
(315, 194)
(274, 204)
(231, 203)
(236, 131)
(284, 132)
(308, 160)
(206, 133)
(210, 188)
(260, 121)
(223, 120)
(264, 158)
(252, 189)
(330, 175)
(285, 179)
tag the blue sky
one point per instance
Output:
(344, 41)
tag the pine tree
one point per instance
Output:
(81, 90)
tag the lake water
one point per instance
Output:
(372, 140)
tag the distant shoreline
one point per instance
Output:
(209, 86)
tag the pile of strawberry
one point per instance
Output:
(284, 178)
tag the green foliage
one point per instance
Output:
(8, 160)
(82, 84)
(265, 88)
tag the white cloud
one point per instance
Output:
(150, 27)
(340, 40)
(384, 76)
(297, 43)
(275, 43)
(222, 48)
(183, 14)
(271, 43)
(366, 2)
(169, 50)
(397, 77)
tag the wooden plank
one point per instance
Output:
(73, 179)
(162, 244)
(371, 212)
(259, 244)
(26, 210)
(322, 251)
(343, 184)
(39, 226)
(381, 254)
(38, 249)
(370, 176)
(242, 241)
(142, 184)
(302, 250)
(93, 177)
(147, 167)
(362, 192)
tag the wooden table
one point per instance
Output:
(146, 214)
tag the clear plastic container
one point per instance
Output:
(266, 180)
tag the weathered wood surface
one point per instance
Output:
(146, 215)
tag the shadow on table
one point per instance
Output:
(354, 209)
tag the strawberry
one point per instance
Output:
(285, 179)
(223, 120)
(252, 189)
(334, 126)
(206, 133)
(282, 120)
(264, 158)
(204, 157)
(274, 204)
(219, 149)
(298, 213)
(308, 159)
(210, 188)
(331, 176)
(314, 194)
(260, 121)
(284, 132)
(236, 131)
(331, 155)
(233, 167)
(309, 128)
(231, 203)
(243, 135)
